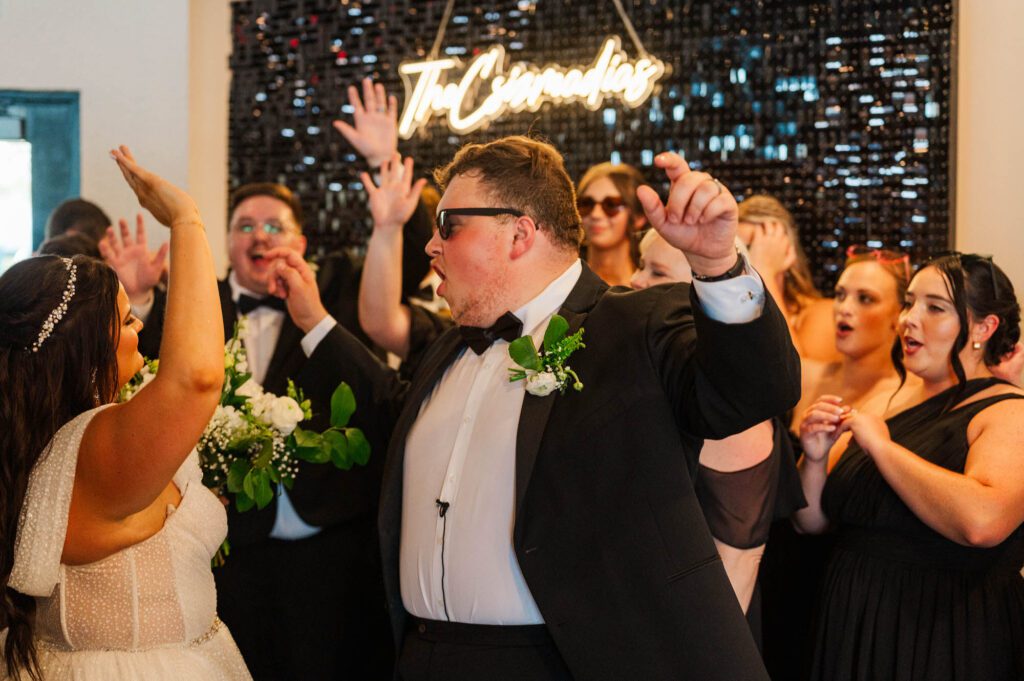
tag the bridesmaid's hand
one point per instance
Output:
(166, 202)
(822, 426)
(869, 430)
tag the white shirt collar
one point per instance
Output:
(548, 301)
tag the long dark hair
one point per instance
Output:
(977, 286)
(74, 370)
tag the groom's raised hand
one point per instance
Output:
(292, 280)
(700, 217)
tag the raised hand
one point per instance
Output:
(166, 202)
(375, 135)
(292, 279)
(394, 201)
(700, 217)
(771, 251)
(138, 268)
(821, 426)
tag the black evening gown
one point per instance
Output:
(899, 600)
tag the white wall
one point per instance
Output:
(990, 134)
(130, 62)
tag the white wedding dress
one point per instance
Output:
(145, 612)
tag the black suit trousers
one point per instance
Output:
(309, 609)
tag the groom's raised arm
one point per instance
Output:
(725, 356)
(335, 355)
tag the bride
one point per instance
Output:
(106, 532)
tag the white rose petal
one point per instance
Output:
(261, 405)
(242, 367)
(249, 389)
(285, 414)
(541, 384)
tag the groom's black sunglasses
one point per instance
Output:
(444, 222)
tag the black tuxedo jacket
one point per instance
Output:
(608, 532)
(322, 495)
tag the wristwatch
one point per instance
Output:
(736, 270)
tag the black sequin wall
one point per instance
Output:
(842, 109)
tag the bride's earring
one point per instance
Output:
(976, 345)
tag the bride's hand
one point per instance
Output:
(166, 202)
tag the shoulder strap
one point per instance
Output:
(43, 523)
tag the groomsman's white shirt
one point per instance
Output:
(461, 450)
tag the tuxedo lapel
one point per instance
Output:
(227, 308)
(533, 419)
(287, 357)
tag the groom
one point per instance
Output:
(559, 537)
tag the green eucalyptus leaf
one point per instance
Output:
(524, 353)
(339, 449)
(243, 502)
(306, 438)
(264, 491)
(358, 446)
(236, 473)
(555, 332)
(249, 483)
(343, 405)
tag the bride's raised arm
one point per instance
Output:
(131, 451)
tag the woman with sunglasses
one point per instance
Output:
(769, 231)
(612, 220)
(924, 582)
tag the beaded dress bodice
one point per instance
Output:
(155, 595)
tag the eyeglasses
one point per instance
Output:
(444, 217)
(271, 229)
(883, 255)
(611, 205)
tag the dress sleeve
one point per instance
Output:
(43, 524)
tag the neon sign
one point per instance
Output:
(486, 91)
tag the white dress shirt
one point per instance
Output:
(461, 451)
(263, 329)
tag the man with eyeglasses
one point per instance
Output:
(301, 589)
(559, 537)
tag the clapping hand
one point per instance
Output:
(395, 200)
(375, 135)
(700, 217)
(822, 426)
(138, 268)
(166, 202)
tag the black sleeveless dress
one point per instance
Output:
(899, 600)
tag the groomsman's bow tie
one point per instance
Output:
(508, 328)
(247, 304)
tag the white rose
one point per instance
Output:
(261, 405)
(541, 384)
(242, 367)
(250, 389)
(285, 414)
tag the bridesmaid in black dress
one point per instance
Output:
(925, 582)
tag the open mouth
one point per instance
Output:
(843, 329)
(910, 345)
(258, 259)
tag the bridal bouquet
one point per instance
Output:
(254, 441)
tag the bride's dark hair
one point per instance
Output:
(74, 370)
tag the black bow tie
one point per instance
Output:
(508, 328)
(247, 304)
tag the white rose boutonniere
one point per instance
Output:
(546, 371)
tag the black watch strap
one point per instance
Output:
(733, 272)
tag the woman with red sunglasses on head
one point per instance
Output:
(612, 220)
(925, 579)
(770, 232)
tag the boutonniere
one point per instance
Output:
(546, 371)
